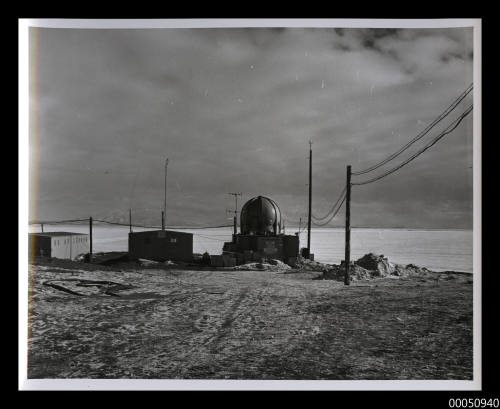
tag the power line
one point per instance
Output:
(293, 222)
(124, 224)
(333, 215)
(157, 227)
(58, 221)
(210, 238)
(332, 208)
(448, 130)
(443, 115)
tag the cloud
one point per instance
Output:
(234, 110)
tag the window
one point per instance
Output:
(173, 240)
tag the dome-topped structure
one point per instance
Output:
(261, 237)
(260, 216)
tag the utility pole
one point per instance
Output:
(235, 210)
(42, 227)
(90, 237)
(310, 200)
(348, 227)
(162, 220)
(164, 217)
(130, 219)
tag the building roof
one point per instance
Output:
(150, 232)
(58, 233)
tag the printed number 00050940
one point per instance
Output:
(473, 403)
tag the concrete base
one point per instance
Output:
(251, 248)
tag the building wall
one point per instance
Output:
(271, 247)
(282, 247)
(69, 247)
(161, 245)
(290, 246)
(38, 246)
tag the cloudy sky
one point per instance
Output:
(234, 110)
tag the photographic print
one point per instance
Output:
(271, 202)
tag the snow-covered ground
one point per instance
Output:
(167, 323)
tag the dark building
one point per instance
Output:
(161, 245)
(261, 234)
(60, 244)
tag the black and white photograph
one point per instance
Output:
(250, 204)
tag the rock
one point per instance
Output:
(279, 264)
(360, 273)
(379, 265)
(338, 273)
(371, 266)
(146, 262)
(272, 265)
(310, 265)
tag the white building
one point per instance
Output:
(58, 244)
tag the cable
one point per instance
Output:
(291, 222)
(200, 228)
(448, 130)
(443, 115)
(158, 227)
(58, 221)
(333, 216)
(332, 209)
(124, 224)
(210, 238)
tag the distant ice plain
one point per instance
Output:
(435, 249)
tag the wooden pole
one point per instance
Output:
(90, 237)
(165, 198)
(42, 227)
(235, 219)
(130, 219)
(348, 227)
(310, 201)
(163, 220)
(236, 214)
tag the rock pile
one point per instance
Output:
(305, 264)
(269, 265)
(372, 266)
(377, 265)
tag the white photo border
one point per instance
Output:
(168, 384)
